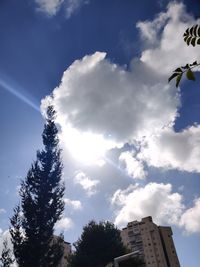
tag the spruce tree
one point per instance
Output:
(6, 259)
(41, 205)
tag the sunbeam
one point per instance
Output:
(13, 90)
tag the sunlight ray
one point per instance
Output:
(12, 89)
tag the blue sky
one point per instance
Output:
(130, 140)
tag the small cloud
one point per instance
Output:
(74, 204)
(86, 183)
(134, 167)
(50, 7)
(190, 219)
(64, 224)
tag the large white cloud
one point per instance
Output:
(98, 96)
(159, 201)
(136, 105)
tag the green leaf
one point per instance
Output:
(198, 32)
(195, 30)
(193, 64)
(186, 33)
(185, 67)
(172, 76)
(190, 75)
(188, 40)
(191, 30)
(178, 79)
(193, 41)
(178, 70)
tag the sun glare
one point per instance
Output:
(86, 147)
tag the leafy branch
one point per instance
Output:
(191, 37)
(187, 69)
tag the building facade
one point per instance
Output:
(67, 251)
(151, 242)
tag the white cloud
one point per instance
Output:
(154, 199)
(191, 218)
(74, 204)
(160, 202)
(174, 150)
(165, 34)
(134, 167)
(86, 183)
(64, 224)
(51, 7)
(98, 96)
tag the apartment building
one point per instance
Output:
(66, 252)
(151, 242)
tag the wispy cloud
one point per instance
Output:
(86, 183)
(51, 7)
(2, 211)
(191, 218)
(134, 167)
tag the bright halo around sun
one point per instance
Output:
(86, 147)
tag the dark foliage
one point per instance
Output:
(133, 262)
(98, 245)
(41, 193)
(6, 256)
